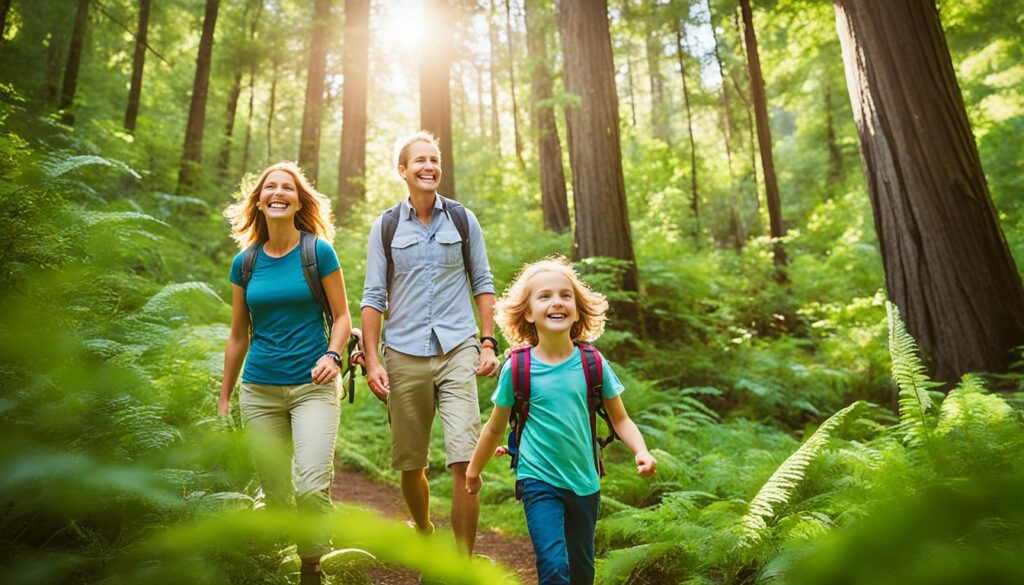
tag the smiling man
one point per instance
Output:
(423, 257)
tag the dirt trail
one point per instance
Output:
(352, 488)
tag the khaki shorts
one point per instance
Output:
(419, 385)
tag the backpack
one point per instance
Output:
(389, 224)
(307, 249)
(593, 369)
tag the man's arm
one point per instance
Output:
(488, 364)
(482, 283)
(374, 303)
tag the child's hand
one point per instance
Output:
(645, 464)
(473, 484)
(501, 450)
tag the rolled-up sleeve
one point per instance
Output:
(375, 286)
(482, 280)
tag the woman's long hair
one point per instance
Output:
(248, 226)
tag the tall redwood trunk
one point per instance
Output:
(764, 138)
(312, 115)
(694, 198)
(510, 31)
(653, 46)
(435, 94)
(836, 172)
(554, 201)
(947, 264)
(224, 161)
(602, 217)
(493, 62)
(248, 119)
(355, 61)
(131, 113)
(235, 93)
(192, 158)
(727, 124)
(272, 109)
(74, 60)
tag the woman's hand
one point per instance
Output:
(325, 370)
(223, 406)
(646, 465)
(473, 484)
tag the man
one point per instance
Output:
(432, 355)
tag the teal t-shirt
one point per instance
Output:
(288, 331)
(556, 445)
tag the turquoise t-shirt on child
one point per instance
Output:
(556, 445)
(288, 329)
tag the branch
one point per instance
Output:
(129, 31)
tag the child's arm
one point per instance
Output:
(626, 429)
(491, 436)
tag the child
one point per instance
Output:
(548, 307)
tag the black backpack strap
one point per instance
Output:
(593, 369)
(457, 212)
(307, 247)
(248, 263)
(388, 226)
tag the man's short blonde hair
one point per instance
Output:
(402, 146)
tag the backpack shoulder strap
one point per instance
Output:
(388, 226)
(249, 263)
(310, 269)
(520, 358)
(457, 212)
(593, 370)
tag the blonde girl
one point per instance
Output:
(548, 307)
(289, 392)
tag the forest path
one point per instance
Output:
(352, 488)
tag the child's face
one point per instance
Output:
(552, 303)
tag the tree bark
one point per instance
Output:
(836, 172)
(659, 114)
(947, 264)
(694, 198)
(727, 123)
(74, 60)
(355, 63)
(435, 94)
(271, 110)
(493, 44)
(192, 158)
(312, 115)
(512, 84)
(632, 93)
(554, 201)
(224, 162)
(602, 216)
(764, 139)
(131, 113)
(248, 120)
(235, 92)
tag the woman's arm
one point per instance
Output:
(326, 370)
(491, 436)
(235, 349)
(626, 429)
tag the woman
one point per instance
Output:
(289, 389)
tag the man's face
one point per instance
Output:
(423, 168)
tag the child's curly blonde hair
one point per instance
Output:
(512, 307)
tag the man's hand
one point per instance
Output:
(223, 406)
(488, 364)
(473, 484)
(377, 380)
(645, 464)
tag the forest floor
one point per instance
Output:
(514, 553)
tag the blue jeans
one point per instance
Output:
(561, 526)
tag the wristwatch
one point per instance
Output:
(334, 356)
(492, 340)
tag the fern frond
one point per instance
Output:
(970, 408)
(164, 300)
(912, 379)
(780, 486)
(61, 166)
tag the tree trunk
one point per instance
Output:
(54, 66)
(236, 91)
(481, 109)
(727, 124)
(602, 217)
(248, 119)
(355, 61)
(512, 84)
(554, 201)
(836, 172)
(659, 115)
(131, 113)
(224, 163)
(947, 264)
(309, 144)
(694, 199)
(271, 108)
(435, 94)
(632, 93)
(193, 154)
(74, 60)
(495, 122)
(764, 139)
(748, 109)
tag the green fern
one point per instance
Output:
(61, 166)
(912, 379)
(970, 408)
(780, 486)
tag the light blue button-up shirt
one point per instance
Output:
(430, 311)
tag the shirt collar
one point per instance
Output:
(409, 212)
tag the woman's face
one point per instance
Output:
(279, 197)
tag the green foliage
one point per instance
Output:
(911, 377)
